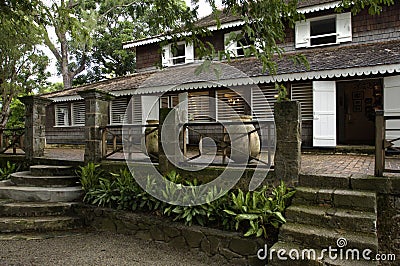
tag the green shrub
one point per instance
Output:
(258, 210)
(89, 176)
(6, 171)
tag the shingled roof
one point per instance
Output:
(339, 61)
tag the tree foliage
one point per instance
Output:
(22, 65)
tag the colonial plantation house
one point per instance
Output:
(354, 70)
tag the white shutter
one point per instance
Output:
(229, 104)
(324, 106)
(199, 106)
(303, 93)
(78, 113)
(189, 53)
(136, 110)
(302, 33)
(166, 55)
(150, 106)
(61, 115)
(343, 27)
(263, 99)
(230, 46)
(391, 105)
(118, 110)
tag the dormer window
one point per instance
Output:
(236, 48)
(325, 30)
(181, 53)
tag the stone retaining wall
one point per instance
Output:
(226, 246)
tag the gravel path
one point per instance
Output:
(96, 249)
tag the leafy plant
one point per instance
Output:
(89, 176)
(105, 194)
(259, 210)
(127, 189)
(6, 171)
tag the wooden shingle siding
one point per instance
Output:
(148, 56)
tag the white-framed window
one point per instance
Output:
(326, 30)
(177, 54)
(169, 101)
(230, 104)
(118, 110)
(262, 102)
(236, 48)
(136, 109)
(78, 113)
(61, 114)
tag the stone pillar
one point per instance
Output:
(170, 145)
(35, 121)
(288, 141)
(96, 117)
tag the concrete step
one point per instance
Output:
(304, 257)
(312, 236)
(43, 235)
(334, 218)
(51, 170)
(41, 194)
(339, 198)
(39, 224)
(30, 209)
(26, 179)
(325, 181)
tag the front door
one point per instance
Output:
(357, 102)
(324, 113)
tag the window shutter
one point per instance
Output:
(136, 110)
(199, 106)
(303, 93)
(118, 111)
(189, 53)
(343, 27)
(230, 46)
(61, 112)
(234, 105)
(302, 34)
(166, 55)
(263, 100)
(78, 114)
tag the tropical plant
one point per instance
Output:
(6, 171)
(259, 210)
(89, 176)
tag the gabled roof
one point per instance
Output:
(328, 62)
(228, 20)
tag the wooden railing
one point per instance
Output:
(12, 139)
(382, 143)
(115, 136)
(265, 131)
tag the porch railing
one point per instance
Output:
(382, 143)
(219, 134)
(12, 138)
(132, 136)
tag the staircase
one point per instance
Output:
(39, 203)
(324, 210)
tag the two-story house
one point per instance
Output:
(354, 70)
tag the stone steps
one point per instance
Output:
(313, 236)
(27, 179)
(34, 209)
(38, 224)
(40, 200)
(41, 194)
(299, 252)
(51, 170)
(343, 219)
(340, 198)
(324, 210)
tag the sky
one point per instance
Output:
(204, 10)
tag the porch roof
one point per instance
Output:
(325, 63)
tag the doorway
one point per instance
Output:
(357, 102)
